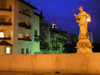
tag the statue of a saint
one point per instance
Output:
(84, 45)
(83, 19)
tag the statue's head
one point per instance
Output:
(80, 8)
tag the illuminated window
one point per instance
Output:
(22, 51)
(21, 20)
(28, 36)
(21, 35)
(27, 51)
(28, 23)
(63, 48)
(1, 35)
(27, 12)
(21, 9)
(7, 50)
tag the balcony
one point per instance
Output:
(37, 38)
(24, 13)
(24, 39)
(65, 41)
(24, 25)
(6, 9)
(59, 40)
(55, 47)
(5, 38)
(6, 23)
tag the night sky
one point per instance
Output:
(62, 10)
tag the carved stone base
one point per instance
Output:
(84, 45)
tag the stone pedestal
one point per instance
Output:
(84, 45)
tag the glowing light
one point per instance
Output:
(7, 50)
(1, 35)
(88, 20)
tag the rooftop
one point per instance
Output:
(28, 4)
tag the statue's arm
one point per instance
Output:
(77, 18)
(87, 15)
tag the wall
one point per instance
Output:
(50, 63)
(2, 49)
(36, 27)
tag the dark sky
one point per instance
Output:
(64, 16)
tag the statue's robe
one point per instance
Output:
(81, 19)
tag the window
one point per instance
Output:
(1, 34)
(21, 20)
(28, 36)
(28, 23)
(22, 51)
(63, 48)
(2, 19)
(5, 18)
(7, 50)
(35, 32)
(27, 12)
(20, 35)
(1, 4)
(27, 51)
(9, 34)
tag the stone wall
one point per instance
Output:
(50, 63)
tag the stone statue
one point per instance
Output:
(84, 45)
(83, 19)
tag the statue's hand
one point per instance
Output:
(74, 14)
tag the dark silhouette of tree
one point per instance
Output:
(70, 48)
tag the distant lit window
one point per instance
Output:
(27, 12)
(28, 23)
(27, 51)
(1, 35)
(21, 20)
(22, 51)
(20, 35)
(63, 48)
(28, 36)
(7, 50)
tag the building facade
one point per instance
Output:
(58, 39)
(17, 27)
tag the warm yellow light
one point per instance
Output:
(7, 50)
(88, 20)
(1, 35)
